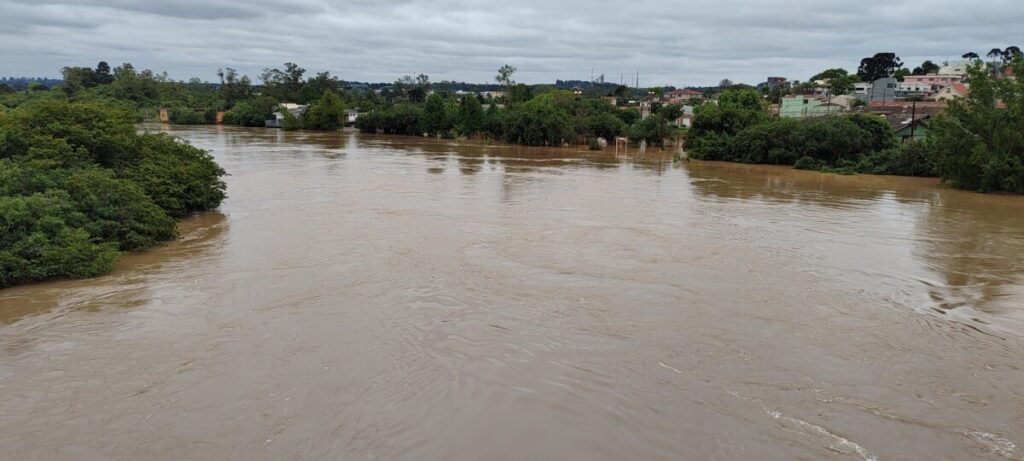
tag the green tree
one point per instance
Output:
(315, 87)
(435, 117)
(518, 93)
(119, 210)
(504, 77)
(671, 112)
(828, 74)
(78, 184)
(978, 144)
(881, 65)
(653, 129)
(470, 116)
(606, 125)
(743, 99)
(327, 114)
(252, 112)
(232, 87)
(927, 67)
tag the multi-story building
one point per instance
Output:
(683, 96)
(803, 106)
(936, 81)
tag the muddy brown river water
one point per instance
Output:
(372, 297)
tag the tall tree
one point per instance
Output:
(881, 65)
(232, 87)
(830, 73)
(471, 116)
(927, 67)
(102, 73)
(327, 114)
(970, 55)
(504, 77)
(435, 118)
(977, 141)
(995, 53)
(1011, 53)
(316, 86)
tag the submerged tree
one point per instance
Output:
(327, 114)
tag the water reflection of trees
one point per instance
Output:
(473, 158)
(975, 242)
(785, 184)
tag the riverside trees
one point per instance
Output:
(78, 185)
(978, 143)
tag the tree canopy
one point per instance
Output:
(881, 65)
(78, 185)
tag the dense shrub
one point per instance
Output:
(979, 144)
(912, 158)
(252, 112)
(69, 204)
(186, 116)
(42, 236)
(607, 126)
(537, 123)
(178, 177)
(326, 114)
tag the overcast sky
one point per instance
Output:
(676, 42)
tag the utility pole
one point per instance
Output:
(913, 118)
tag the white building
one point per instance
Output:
(958, 68)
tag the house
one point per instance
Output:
(685, 118)
(914, 88)
(951, 92)
(614, 101)
(956, 67)
(845, 100)
(646, 108)
(908, 120)
(935, 81)
(683, 96)
(911, 127)
(804, 106)
(350, 116)
(883, 89)
(862, 90)
(773, 82)
(278, 121)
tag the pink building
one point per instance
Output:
(681, 96)
(934, 81)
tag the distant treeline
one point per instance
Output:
(516, 113)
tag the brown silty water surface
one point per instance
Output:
(371, 297)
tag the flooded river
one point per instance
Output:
(372, 297)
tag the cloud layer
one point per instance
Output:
(669, 42)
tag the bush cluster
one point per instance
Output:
(78, 186)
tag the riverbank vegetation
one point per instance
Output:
(78, 186)
(975, 144)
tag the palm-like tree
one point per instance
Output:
(1011, 53)
(970, 55)
(995, 53)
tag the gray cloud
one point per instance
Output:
(669, 42)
